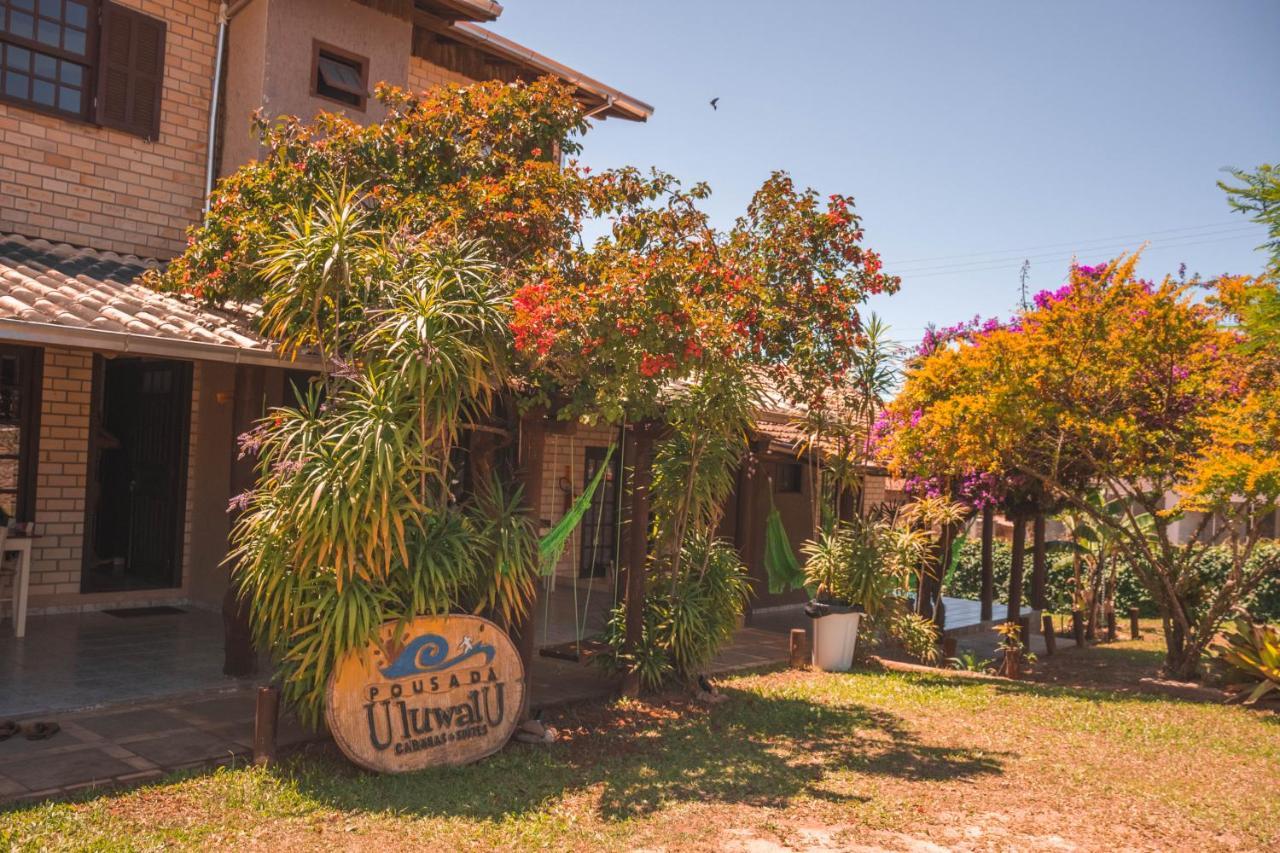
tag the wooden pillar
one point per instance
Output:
(637, 547)
(748, 526)
(1039, 566)
(1018, 558)
(240, 659)
(987, 595)
(1135, 632)
(1050, 636)
(533, 443)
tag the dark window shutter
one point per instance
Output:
(130, 71)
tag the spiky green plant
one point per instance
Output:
(1252, 650)
(351, 523)
(864, 562)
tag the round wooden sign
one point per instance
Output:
(437, 690)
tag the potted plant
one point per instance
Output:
(1010, 647)
(857, 569)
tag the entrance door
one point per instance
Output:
(600, 524)
(136, 504)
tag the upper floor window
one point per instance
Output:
(46, 59)
(97, 61)
(339, 76)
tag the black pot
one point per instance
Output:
(818, 609)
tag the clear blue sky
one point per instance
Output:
(972, 134)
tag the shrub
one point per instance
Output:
(685, 621)
(965, 580)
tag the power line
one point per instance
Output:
(1070, 243)
(1119, 244)
(1007, 263)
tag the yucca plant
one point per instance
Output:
(1252, 650)
(351, 523)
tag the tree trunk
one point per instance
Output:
(987, 596)
(533, 442)
(637, 553)
(1017, 561)
(1039, 565)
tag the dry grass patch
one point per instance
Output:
(877, 760)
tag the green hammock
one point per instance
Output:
(551, 546)
(779, 560)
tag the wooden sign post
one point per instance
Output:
(440, 690)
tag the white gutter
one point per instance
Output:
(127, 343)
(225, 14)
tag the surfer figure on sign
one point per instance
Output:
(467, 643)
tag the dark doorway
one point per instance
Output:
(599, 525)
(136, 499)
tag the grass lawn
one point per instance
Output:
(797, 760)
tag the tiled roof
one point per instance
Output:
(62, 285)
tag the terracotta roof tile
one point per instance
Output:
(62, 285)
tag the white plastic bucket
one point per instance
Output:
(834, 636)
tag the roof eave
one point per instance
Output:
(620, 104)
(101, 340)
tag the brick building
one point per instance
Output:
(118, 405)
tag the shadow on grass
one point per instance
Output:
(639, 757)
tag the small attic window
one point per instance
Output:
(339, 76)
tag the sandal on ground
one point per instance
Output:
(42, 731)
(8, 729)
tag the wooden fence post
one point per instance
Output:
(1111, 625)
(1135, 633)
(800, 650)
(265, 720)
(1050, 638)
(1077, 627)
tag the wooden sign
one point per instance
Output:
(440, 690)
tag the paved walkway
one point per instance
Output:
(131, 744)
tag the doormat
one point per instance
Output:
(132, 612)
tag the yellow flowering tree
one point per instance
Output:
(1138, 388)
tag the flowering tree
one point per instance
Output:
(453, 163)
(1131, 386)
(667, 317)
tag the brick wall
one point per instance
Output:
(61, 479)
(564, 453)
(69, 181)
(425, 75)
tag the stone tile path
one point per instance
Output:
(126, 745)
(131, 744)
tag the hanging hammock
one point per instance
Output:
(552, 546)
(780, 562)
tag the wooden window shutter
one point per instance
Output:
(130, 71)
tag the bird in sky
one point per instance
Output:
(715, 101)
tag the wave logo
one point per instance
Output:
(430, 653)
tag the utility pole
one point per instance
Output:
(1022, 287)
